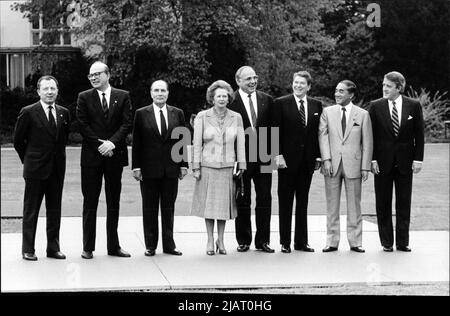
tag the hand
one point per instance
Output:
(327, 168)
(240, 173)
(196, 174)
(364, 175)
(375, 168)
(280, 162)
(137, 174)
(109, 154)
(416, 166)
(317, 165)
(183, 173)
(105, 147)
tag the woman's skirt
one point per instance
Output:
(214, 194)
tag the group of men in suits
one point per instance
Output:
(343, 140)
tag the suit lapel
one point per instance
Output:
(336, 116)
(59, 119)
(242, 110)
(170, 121)
(293, 107)
(405, 114)
(98, 105)
(386, 117)
(211, 121)
(351, 121)
(112, 103)
(152, 121)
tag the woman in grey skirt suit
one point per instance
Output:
(218, 144)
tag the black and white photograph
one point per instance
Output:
(225, 156)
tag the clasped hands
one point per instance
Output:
(106, 148)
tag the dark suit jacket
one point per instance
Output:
(264, 109)
(93, 126)
(39, 147)
(296, 142)
(389, 150)
(150, 151)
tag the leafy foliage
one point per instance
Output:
(436, 109)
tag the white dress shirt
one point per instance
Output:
(156, 109)
(305, 105)
(46, 110)
(107, 93)
(244, 97)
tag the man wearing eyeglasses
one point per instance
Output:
(255, 108)
(104, 115)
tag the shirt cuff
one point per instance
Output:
(416, 161)
(136, 169)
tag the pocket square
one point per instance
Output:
(316, 113)
(410, 117)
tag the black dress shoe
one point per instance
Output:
(174, 252)
(56, 255)
(87, 255)
(305, 248)
(29, 256)
(388, 249)
(404, 248)
(285, 249)
(266, 248)
(243, 248)
(357, 249)
(329, 249)
(119, 253)
(149, 252)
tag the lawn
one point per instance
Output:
(430, 205)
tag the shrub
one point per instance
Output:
(436, 109)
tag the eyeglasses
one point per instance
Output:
(95, 75)
(250, 78)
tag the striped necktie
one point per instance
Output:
(302, 113)
(395, 124)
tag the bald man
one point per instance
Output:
(104, 115)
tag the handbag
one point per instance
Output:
(239, 181)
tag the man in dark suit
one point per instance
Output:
(40, 139)
(255, 109)
(398, 134)
(104, 115)
(297, 117)
(155, 167)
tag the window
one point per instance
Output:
(15, 67)
(38, 28)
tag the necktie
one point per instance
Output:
(105, 106)
(51, 118)
(302, 113)
(252, 110)
(163, 124)
(344, 120)
(395, 124)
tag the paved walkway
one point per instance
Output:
(428, 262)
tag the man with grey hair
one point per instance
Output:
(155, 168)
(104, 116)
(255, 109)
(398, 132)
